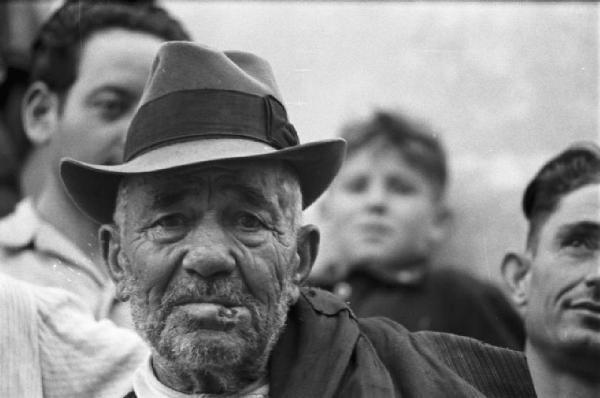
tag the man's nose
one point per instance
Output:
(593, 277)
(209, 254)
(376, 197)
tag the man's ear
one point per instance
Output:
(40, 110)
(516, 273)
(114, 258)
(308, 247)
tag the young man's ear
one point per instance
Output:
(40, 110)
(114, 258)
(516, 273)
(308, 247)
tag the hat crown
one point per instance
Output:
(181, 65)
(201, 105)
(195, 92)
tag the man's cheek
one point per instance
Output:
(262, 272)
(155, 268)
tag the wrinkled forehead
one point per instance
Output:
(248, 179)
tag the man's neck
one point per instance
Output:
(56, 208)
(188, 381)
(401, 272)
(551, 380)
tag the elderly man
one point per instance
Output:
(556, 282)
(202, 231)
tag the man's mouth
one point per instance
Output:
(374, 229)
(214, 315)
(586, 304)
(223, 302)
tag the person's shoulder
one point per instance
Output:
(324, 302)
(489, 368)
(438, 361)
(17, 229)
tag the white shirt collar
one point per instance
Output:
(24, 227)
(146, 385)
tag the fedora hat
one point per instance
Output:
(201, 105)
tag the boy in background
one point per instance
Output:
(388, 215)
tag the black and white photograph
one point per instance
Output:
(299, 199)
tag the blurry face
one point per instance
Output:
(381, 209)
(562, 311)
(209, 256)
(97, 109)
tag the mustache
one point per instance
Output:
(224, 291)
(585, 303)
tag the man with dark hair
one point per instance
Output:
(202, 231)
(555, 283)
(388, 210)
(13, 142)
(89, 63)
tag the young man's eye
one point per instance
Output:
(582, 243)
(400, 187)
(110, 106)
(356, 185)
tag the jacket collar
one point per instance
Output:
(311, 356)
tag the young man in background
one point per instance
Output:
(89, 64)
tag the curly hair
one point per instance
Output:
(575, 167)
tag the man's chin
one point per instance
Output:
(202, 349)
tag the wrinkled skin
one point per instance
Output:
(224, 235)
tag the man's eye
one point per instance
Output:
(582, 243)
(110, 107)
(356, 185)
(168, 228)
(171, 221)
(249, 221)
(400, 187)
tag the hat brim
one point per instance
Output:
(93, 188)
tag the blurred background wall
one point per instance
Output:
(506, 85)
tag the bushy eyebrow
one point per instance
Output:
(253, 196)
(167, 199)
(117, 90)
(581, 228)
(249, 194)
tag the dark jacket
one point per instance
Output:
(446, 300)
(325, 352)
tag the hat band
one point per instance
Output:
(208, 113)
